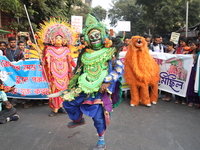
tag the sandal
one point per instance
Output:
(190, 104)
(51, 114)
(39, 103)
(183, 103)
(25, 105)
(168, 100)
(177, 102)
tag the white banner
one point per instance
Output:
(124, 26)
(175, 71)
(77, 23)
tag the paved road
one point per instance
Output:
(165, 126)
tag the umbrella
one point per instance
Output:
(4, 32)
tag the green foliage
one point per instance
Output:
(158, 16)
(38, 10)
(82, 11)
(99, 12)
(128, 11)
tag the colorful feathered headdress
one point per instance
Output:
(54, 27)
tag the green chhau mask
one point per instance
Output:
(95, 39)
(94, 32)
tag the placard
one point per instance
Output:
(175, 37)
(77, 23)
(124, 26)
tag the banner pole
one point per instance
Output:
(36, 45)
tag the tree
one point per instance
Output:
(158, 16)
(169, 15)
(99, 12)
(38, 10)
(127, 10)
(82, 11)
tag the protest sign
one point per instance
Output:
(124, 26)
(175, 37)
(77, 23)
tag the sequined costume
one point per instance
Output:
(97, 66)
(57, 58)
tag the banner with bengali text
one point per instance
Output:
(26, 76)
(175, 71)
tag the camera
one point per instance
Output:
(23, 33)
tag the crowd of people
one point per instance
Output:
(14, 50)
(185, 46)
(91, 86)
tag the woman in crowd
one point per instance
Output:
(170, 50)
(193, 97)
(182, 49)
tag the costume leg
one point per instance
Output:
(73, 108)
(154, 93)
(55, 103)
(144, 90)
(4, 114)
(99, 121)
(134, 95)
(100, 124)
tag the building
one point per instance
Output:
(192, 31)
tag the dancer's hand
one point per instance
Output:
(104, 87)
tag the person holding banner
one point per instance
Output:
(170, 50)
(59, 38)
(12, 53)
(182, 49)
(8, 112)
(2, 47)
(156, 46)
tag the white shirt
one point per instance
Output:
(1, 53)
(3, 98)
(158, 48)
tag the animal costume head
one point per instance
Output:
(94, 33)
(138, 43)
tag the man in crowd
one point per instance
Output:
(126, 43)
(8, 112)
(12, 53)
(2, 47)
(82, 41)
(156, 46)
(21, 46)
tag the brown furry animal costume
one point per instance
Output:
(141, 72)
